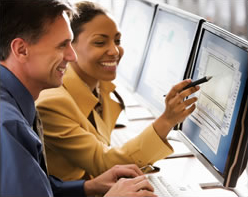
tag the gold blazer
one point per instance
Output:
(74, 146)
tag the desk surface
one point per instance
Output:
(190, 170)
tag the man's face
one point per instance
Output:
(47, 59)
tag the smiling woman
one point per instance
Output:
(80, 116)
(99, 51)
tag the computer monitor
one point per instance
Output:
(135, 28)
(171, 45)
(105, 3)
(118, 8)
(217, 130)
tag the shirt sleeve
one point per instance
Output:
(67, 188)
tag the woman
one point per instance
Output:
(79, 117)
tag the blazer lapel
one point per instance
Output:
(101, 127)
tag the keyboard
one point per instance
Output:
(165, 188)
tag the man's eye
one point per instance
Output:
(63, 45)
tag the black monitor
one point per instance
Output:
(217, 130)
(171, 45)
(135, 28)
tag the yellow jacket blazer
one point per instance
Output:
(74, 146)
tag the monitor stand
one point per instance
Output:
(241, 188)
(242, 185)
(215, 185)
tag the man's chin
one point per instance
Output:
(54, 85)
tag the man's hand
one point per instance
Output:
(102, 183)
(138, 186)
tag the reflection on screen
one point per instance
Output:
(135, 27)
(167, 57)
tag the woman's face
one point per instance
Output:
(98, 50)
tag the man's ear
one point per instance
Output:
(19, 48)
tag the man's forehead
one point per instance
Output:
(59, 28)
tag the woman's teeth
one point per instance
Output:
(61, 69)
(109, 63)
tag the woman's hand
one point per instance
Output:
(177, 108)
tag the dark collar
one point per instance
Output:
(19, 92)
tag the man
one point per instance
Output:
(35, 47)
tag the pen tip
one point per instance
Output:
(209, 77)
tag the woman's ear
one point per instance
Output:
(19, 49)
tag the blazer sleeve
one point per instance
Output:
(68, 132)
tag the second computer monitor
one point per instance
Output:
(135, 28)
(171, 46)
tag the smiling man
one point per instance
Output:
(35, 47)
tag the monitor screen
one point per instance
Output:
(135, 27)
(171, 46)
(105, 3)
(216, 129)
(118, 7)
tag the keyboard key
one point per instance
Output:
(171, 188)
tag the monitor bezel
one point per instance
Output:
(238, 149)
(163, 7)
(189, 16)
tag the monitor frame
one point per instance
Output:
(163, 7)
(120, 78)
(238, 153)
(118, 19)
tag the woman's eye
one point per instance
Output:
(100, 43)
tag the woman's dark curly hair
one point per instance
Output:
(87, 11)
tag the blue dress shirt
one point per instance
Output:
(20, 147)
